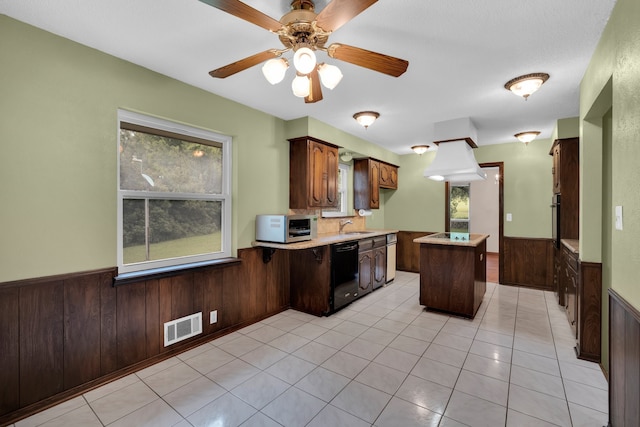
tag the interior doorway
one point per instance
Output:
(484, 210)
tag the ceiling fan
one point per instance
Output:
(304, 31)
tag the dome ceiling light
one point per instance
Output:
(420, 149)
(366, 118)
(527, 137)
(525, 85)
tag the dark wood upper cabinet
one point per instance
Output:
(313, 173)
(369, 175)
(566, 181)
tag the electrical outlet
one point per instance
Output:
(509, 217)
(213, 317)
(618, 217)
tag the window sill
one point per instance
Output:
(159, 273)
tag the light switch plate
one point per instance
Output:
(618, 217)
(509, 217)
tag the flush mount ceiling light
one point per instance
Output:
(525, 85)
(346, 156)
(420, 149)
(366, 118)
(527, 137)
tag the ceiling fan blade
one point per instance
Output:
(339, 12)
(246, 12)
(243, 64)
(315, 90)
(365, 58)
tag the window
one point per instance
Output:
(459, 208)
(341, 210)
(174, 193)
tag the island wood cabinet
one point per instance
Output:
(372, 264)
(313, 173)
(369, 175)
(453, 277)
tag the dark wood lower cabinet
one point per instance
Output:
(453, 278)
(63, 335)
(310, 271)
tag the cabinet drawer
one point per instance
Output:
(571, 259)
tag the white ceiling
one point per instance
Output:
(460, 55)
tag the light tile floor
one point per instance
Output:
(382, 361)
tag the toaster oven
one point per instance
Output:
(286, 228)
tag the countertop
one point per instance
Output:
(325, 239)
(441, 239)
(572, 244)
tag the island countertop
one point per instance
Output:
(444, 239)
(325, 239)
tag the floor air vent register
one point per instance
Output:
(183, 328)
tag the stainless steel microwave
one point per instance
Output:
(286, 228)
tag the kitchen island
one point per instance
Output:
(453, 272)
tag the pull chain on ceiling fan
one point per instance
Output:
(304, 32)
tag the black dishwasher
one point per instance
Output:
(344, 274)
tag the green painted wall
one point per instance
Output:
(58, 163)
(419, 203)
(613, 73)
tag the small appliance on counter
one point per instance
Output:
(286, 228)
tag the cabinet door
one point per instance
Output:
(379, 267)
(331, 184)
(388, 176)
(365, 268)
(318, 176)
(374, 184)
(556, 169)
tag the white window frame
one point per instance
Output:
(224, 196)
(342, 194)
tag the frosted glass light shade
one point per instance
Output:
(304, 60)
(420, 149)
(525, 85)
(275, 69)
(300, 86)
(527, 137)
(330, 75)
(366, 118)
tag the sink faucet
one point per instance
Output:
(343, 223)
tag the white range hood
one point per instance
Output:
(454, 161)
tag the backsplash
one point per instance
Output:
(332, 225)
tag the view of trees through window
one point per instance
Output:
(167, 185)
(459, 208)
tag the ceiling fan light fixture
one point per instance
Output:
(366, 118)
(300, 86)
(275, 69)
(420, 149)
(330, 75)
(525, 85)
(304, 60)
(527, 137)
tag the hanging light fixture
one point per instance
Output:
(330, 75)
(366, 118)
(300, 86)
(420, 149)
(304, 60)
(525, 85)
(527, 137)
(275, 69)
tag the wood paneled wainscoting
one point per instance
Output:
(624, 362)
(528, 262)
(63, 335)
(408, 253)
